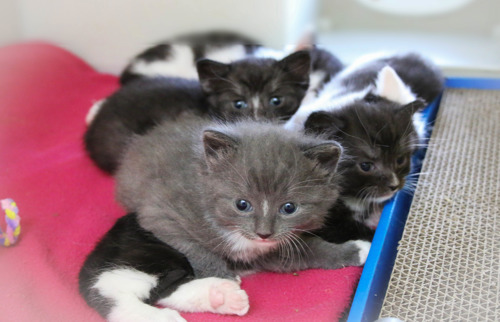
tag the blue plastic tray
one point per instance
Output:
(374, 280)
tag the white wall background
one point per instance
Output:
(464, 42)
(107, 33)
(478, 17)
(10, 25)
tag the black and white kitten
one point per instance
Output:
(261, 89)
(379, 139)
(374, 114)
(401, 78)
(178, 57)
(225, 199)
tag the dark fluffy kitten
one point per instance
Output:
(379, 138)
(178, 57)
(259, 88)
(248, 88)
(373, 108)
(232, 198)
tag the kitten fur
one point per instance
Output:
(374, 114)
(186, 182)
(249, 88)
(379, 139)
(178, 57)
(401, 78)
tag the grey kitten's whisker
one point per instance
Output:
(286, 257)
(307, 232)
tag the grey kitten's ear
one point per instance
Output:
(326, 155)
(210, 71)
(324, 123)
(218, 147)
(297, 65)
(412, 107)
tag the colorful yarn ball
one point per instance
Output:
(13, 223)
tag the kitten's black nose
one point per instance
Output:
(393, 188)
(263, 236)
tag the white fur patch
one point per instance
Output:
(354, 204)
(361, 62)
(364, 249)
(179, 64)
(211, 294)
(315, 80)
(245, 249)
(265, 207)
(226, 54)
(391, 87)
(419, 124)
(323, 103)
(255, 105)
(126, 288)
(373, 220)
(125, 281)
(94, 109)
(263, 52)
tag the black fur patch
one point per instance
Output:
(127, 245)
(136, 108)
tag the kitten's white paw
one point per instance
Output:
(364, 249)
(226, 297)
(94, 109)
(171, 315)
(134, 313)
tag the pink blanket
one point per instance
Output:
(66, 204)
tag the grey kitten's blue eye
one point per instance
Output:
(400, 160)
(288, 208)
(275, 101)
(243, 205)
(240, 104)
(366, 166)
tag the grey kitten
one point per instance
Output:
(232, 199)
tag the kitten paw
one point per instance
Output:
(172, 315)
(364, 249)
(141, 313)
(227, 297)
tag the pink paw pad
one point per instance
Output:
(228, 298)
